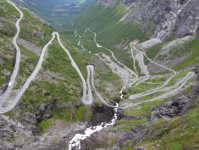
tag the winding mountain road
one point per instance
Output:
(140, 59)
(90, 71)
(181, 83)
(131, 71)
(36, 70)
(17, 59)
(32, 76)
(28, 81)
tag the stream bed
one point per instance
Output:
(76, 141)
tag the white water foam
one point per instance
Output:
(75, 142)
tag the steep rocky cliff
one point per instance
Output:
(163, 19)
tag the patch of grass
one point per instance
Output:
(31, 26)
(9, 10)
(177, 77)
(192, 59)
(143, 109)
(153, 51)
(127, 124)
(45, 124)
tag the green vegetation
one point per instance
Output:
(183, 131)
(153, 51)
(143, 109)
(33, 30)
(193, 58)
(176, 133)
(181, 50)
(110, 76)
(176, 78)
(8, 10)
(80, 57)
(61, 63)
(7, 32)
(105, 22)
(63, 88)
(45, 124)
(56, 12)
(8, 66)
(127, 124)
(146, 61)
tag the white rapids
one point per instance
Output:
(75, 142)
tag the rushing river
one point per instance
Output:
(75, 142)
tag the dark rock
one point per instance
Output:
(65, 137)
(6, 134)
(47, 94)
(103, 114)
(3, 123)
(177, 106)
(29, 120)
(13, 128)
(137, 128)
(38, 34)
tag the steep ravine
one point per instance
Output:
(27, 133)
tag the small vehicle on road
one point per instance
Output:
(9, 84)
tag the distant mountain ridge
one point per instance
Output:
(55, 12)
(162, 19)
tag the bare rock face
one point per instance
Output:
(163, 19)
(178, 106)
(14, 135)
(109, 3)
(2, 63)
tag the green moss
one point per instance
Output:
(45, 124)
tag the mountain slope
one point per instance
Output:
(56, 12)
(54, 94)
(153, 78)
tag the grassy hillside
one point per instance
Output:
(105, 21)
(56, 12)
(7, 32)
(56, 91)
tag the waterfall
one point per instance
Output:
(75, 142)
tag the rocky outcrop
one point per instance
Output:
(178, 106)
(109, 3)
(103, 113)
(14, 135)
